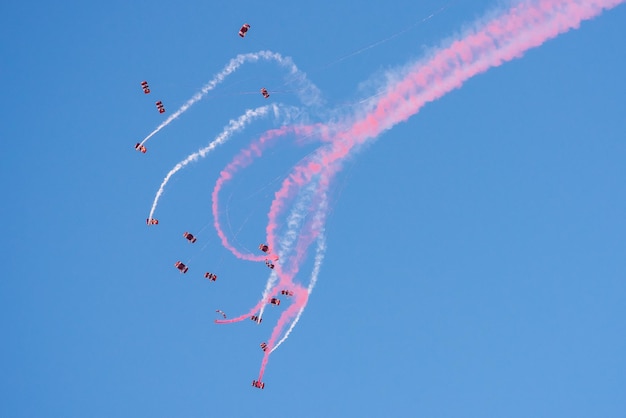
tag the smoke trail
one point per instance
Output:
(508, 36)
(294, 222)
(319, 258)
(290, 238)
(308, 92)
(313, 229)
(232, 127)
(241, 160)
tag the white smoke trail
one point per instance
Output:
(232, 127)
(319, 258)
(308, 92)
(294, 222)
(318, 225)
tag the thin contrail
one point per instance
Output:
(387, 39)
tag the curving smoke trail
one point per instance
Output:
(244, 158)
(296, 228)
(289, 239)
(233, 127)
(319, 258)
(308, 92)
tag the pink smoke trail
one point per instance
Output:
(301, 296)
(319, 258)
(242, 160)
(311, 228)
(527, 25)
(252, 311)
(224, 136)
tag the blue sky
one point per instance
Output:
(476, 257)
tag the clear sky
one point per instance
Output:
(475, 262)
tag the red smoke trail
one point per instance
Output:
(507, 36)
